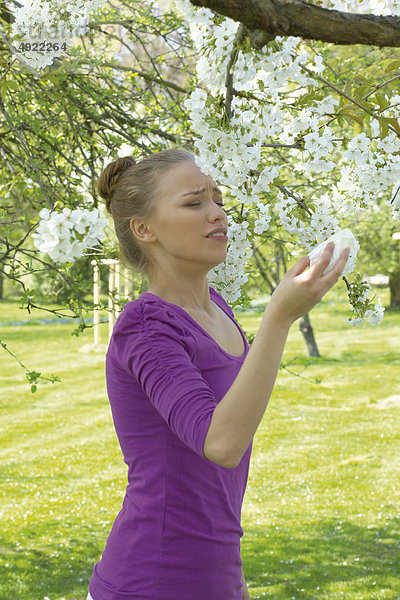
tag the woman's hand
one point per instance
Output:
(300, 290)
(245, 592)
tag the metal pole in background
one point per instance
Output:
(396, 237)
(96, 302)
(111, 286)
(126, 283)
(116, 297)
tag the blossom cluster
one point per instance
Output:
(231, 275)
(263, 113)
(50, 21)
(374, 7)
(65, 235)
(233, 138)
(230, 151)
(362, 306)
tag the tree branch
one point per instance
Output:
(298, 200)
(267, 19)
(147, 76)
(25, 147)
(229, 70)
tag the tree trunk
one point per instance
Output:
(394, 286)
(263, 270)
(308, 334)
(1, 285)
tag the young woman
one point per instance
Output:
(186, 392)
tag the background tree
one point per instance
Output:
(123, 84)
(62, 126)
(379, 253)
(59, 128)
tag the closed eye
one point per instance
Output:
(198, 204)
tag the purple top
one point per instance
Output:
(177, 536)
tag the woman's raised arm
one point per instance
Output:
(239, 413)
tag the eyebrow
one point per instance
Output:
(200, 191)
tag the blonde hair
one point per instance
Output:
(129, 189)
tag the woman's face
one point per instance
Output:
(188, 208)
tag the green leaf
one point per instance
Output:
(32, 376)
(13, 85)
(361, 91)
(54, 79)
(347, 88)
(353, 113)
(383, 128)
(9, 84)
(394, 122)
(382, 101)
(33, 388)
(393, 66)
(353, 117)
(304, 99)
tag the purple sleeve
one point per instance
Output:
(148, 343)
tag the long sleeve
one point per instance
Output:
(149, 345)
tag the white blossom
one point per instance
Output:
(375, 316)
(264, 218)
(65, 235)
(235, 151)
(39, 21)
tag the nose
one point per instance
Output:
(217, 212)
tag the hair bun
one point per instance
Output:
(110, 175)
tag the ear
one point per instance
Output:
(141, 230)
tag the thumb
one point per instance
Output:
(300, 266)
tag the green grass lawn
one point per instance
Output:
(321, 512)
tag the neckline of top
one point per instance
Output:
(199, 326)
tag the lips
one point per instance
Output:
(219, 230)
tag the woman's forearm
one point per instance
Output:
(238, 414)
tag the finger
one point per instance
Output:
(300, 266)
(338, 269)
(319, 267)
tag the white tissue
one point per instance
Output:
(342, 239)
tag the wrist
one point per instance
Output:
(274, 317)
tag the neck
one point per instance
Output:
(189, 295)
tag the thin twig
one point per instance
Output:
(17, 55)
(53, 378)
(299, 202)
(368, 110)
(338, 90)
(378, 87)
(143, 74)
(397, 191)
